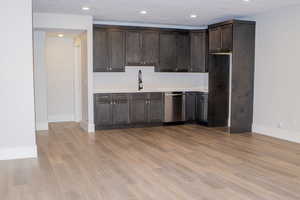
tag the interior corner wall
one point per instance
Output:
(40, 81)
(17, 138)
(276, 90)
(73, 22)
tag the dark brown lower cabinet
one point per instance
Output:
(111, 110)
(124, 110)
(138, 108)
(146, 108)
(155, 107)
(120, 109)
(191, 106)
(197, 107)
(202, 108)
(103, 110)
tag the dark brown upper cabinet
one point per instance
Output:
(142, 48)
(150, 48)
(220, 38)
(117, 54)
(133, 48)
(109, 50)
(226, 35)
(183, 52)
(199, 51)
(167, 52)
(101, 58)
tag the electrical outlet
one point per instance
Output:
(280, 125)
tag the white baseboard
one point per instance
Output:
(88, 127)
(61, 118)
(41, 126)
(280, 133)
(18, 153)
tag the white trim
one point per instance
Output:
(118, 23)
(280, 133)
(61, 118)
(18, 153)
(77, 80)
(41, 126)
(90, 128)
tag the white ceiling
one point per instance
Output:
(174, 12)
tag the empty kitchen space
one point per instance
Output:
(107, 100)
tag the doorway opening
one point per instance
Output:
(59, 57)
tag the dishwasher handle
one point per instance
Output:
(173, 95)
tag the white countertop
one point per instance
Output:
(151, 90)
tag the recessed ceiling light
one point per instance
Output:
(143, 12)
(60, 35)
(246, 0)
(85, 8)
(193, 15)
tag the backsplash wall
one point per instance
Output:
(151, 79)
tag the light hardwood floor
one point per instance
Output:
(183, 162)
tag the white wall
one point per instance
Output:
(40, 81)
(277, 70)
(151, 80)
(60, 61)
(74, 22)
(17, 137)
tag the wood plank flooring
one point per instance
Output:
(183, 162)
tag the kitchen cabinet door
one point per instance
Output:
(133, 48)
(100, 45)
(117, 50)
(202, 107)
(120, 109)
(103, 110)
(227, 36)
(215, 43)
(183, 52)
(198, 52)
(191, 106)
(150, 48)
(155, 107)
(167, 52)
(138, 108)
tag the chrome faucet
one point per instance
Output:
(140, 80)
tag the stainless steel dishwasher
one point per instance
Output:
(174, 107)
